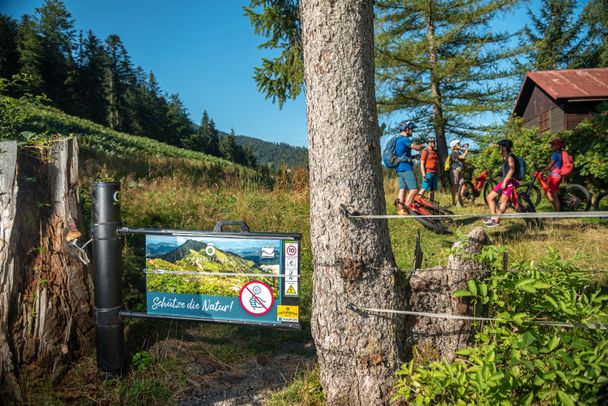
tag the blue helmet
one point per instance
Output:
(406, 125)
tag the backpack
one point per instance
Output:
(566, 164)
(389, 154)
(520, 168)
(447, 164)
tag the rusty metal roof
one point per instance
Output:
(565, 84)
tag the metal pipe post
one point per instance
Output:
(107, 277)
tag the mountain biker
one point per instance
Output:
(506, 186)
(429, 166)
(554, 167)
(457, 167)
(405, 172)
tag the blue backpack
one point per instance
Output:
(389, 154)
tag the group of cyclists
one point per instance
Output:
(497, 199)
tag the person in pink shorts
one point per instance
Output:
(506, 186)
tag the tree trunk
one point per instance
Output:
(353, 260)
(438, 121)
(431, 291)
(45, 291)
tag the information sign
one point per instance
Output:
(223, 278)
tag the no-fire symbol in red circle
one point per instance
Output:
(292, 250)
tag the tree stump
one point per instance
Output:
(431, 291)
(45, 291)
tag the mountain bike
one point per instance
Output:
(529, 188)
(572, 197)
(521, 203)
(423, 207)
(470, 190)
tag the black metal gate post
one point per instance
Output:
(107, 277)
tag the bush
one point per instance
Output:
(517, 362)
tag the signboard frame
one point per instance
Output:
(285, 310)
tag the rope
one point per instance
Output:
(538, 215)
(592, 326)
(163, 272)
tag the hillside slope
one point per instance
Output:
(124, 153)
(273, 153)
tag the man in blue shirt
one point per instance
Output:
(405, 172)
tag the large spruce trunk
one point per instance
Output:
(45, 291)
(353, 261)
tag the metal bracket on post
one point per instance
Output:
(107, 277)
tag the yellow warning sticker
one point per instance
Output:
(291, 290)
(288, 313)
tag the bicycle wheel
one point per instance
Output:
(601, 202)
(532, 191)
(487, 188)
(574, 198)
(525, 205)
(466, 194)
(434, 224)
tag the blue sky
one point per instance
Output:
(203, 50)
(206, 51)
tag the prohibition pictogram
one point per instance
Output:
(256, 298)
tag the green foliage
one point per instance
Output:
(444, 63)
(556, 36)
(587, 143)
(515, 361)
(282, 77)
(141, 360)
(273, 153)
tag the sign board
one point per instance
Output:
(235, 278)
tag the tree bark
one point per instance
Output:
(353, 260)
(438, 120)
(45, 291)
(431, 291)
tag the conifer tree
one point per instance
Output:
(29, 48)
(281, 77)
(57, 68)
(92, 74)
(441, 63)
(595, 17)
(120, 81)
(555, 37)
(9, 56)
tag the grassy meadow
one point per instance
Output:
(176, 200)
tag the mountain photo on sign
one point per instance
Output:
(187, 264)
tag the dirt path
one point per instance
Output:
(212, 382)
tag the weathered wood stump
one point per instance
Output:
(431, 291)
(45, 291)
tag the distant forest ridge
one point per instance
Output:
(273, 154)
(95, 79)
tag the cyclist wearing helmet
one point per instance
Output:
(405, 172)
(456, 167)
(507, 184)
(429, 165)
(554, 167)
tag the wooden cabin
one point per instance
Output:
(558, 100)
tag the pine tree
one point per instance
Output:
(556, 36)
(228, 148)
(57, 68)
(9, 56)
(442, 64)
(180, 127)
(120, 81)
(29, 48)
(595, 17)
(92, 74)
(281, 77)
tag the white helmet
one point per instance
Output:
(454, 143)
